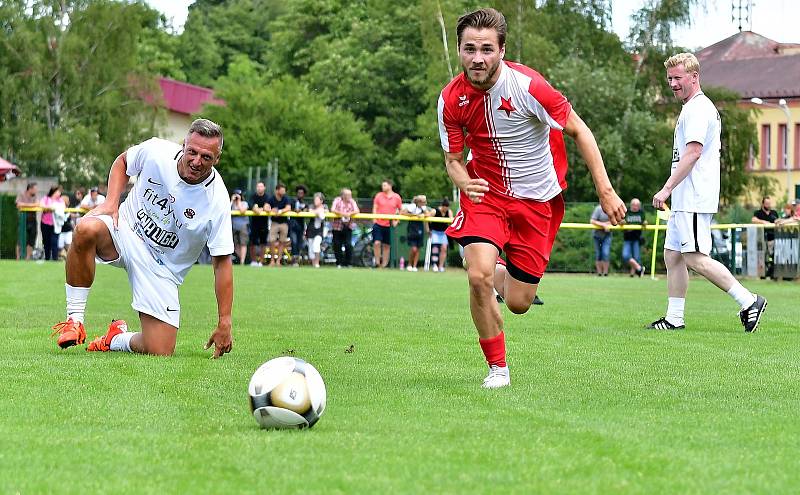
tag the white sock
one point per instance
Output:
(675, 310)
(744, 297)
(122, 342)
(76, 302)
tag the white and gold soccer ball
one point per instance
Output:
(287, 392)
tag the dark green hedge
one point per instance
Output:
(8, 226)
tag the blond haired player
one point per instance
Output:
(694, 187)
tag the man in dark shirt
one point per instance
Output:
(258, 225)
(297, 225)
(279, 230)
(631, 247)
(767, 215)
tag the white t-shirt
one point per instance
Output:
(173, 218)
(87, 202)
(698, 122)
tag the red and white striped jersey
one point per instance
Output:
(513, 131)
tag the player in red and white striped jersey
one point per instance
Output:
(513, 122)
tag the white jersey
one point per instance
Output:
(698, 122)
(174, 219)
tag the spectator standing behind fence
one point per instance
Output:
(93, 199)
(416, 229)
(28, 199)
(240, 225)
(316, 229)
(65, 237)
(386, 202)
(279, 229)
(297, 225)
(438, 237)
(794, 219)
(632, 239)
(47, 226)
(766, 215)
(602, 241)
(345, 206)
(259, 225)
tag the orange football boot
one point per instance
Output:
(71, 333)
(103, 344)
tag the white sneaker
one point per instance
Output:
(409, 268)
(497, 377)
(414, 269)
(435, 268)
(255, 263)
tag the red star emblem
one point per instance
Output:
(506, 106)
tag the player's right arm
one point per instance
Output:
(117, 179)
(473, 188)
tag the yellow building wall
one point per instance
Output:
(786, 179)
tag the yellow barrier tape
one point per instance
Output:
(374, 216)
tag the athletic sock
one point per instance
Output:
(675, 307)
(122, 342)
(744, 297)
(76, 302)
(494, 349)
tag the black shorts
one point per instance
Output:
(382, 234)
(258, 234)
(30, 234)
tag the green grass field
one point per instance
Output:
(596, 405)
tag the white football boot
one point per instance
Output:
(498, 377)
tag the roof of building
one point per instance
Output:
(186, 98)
(753, 65)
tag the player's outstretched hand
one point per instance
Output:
(475, 189)
(105, 208)
(222, 340)
(614, 207)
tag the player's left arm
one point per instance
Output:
(611, 203)
(688, 159)
(222, 338)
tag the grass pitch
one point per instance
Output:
(597, 404)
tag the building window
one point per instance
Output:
(766, 149)
(797, 146)
(783, 148)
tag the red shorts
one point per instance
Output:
(525, 229)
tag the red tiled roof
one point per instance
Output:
(186, 98)
(753, 65)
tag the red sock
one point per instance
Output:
(495, 350)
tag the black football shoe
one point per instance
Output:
(663, 324)
(752, 316)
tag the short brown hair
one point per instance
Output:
(483, 19)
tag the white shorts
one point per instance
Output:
(438, 237)
(154, 293)
(689, 232)
(64, 239)
(314, 246)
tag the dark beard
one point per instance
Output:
(489, 75)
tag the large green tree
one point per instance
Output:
(73, 95)
(279, 121)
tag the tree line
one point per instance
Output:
(337, 92)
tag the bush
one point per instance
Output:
(9, 218)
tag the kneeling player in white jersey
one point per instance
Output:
(178, 206)
(694, 186)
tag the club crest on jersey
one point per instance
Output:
(188, 213)
(463, 101)
(506, 106)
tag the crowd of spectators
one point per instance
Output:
(55, 223)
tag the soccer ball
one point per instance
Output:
(287, 392)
